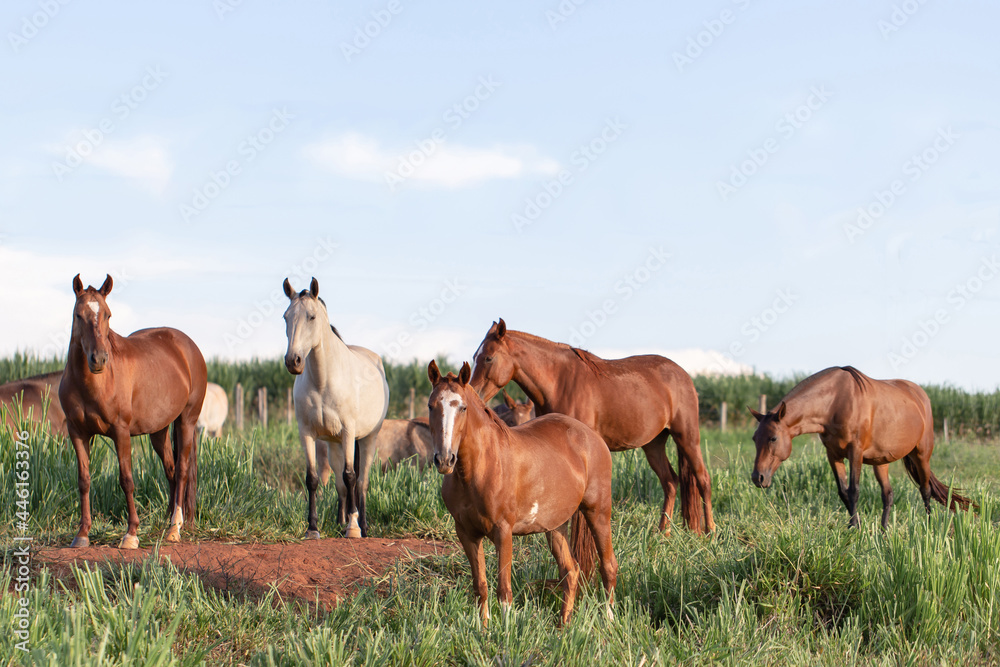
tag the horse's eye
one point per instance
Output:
(488, 360)
(463, 408)
(312, 317)
(774, 438)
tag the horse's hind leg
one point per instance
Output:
(599, 520)
(882, 475)
(569, 571)
(185, 473)
(367, 448)
(351, 482)
(159, 442)
(656, 454)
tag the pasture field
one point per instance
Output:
(782, 582)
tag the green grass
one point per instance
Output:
(782, 582)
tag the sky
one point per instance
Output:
(771, 186)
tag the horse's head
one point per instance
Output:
(494, 364)
(521, 412)
(448, 405)
(774, 444)
(306, 320)
(91, 323)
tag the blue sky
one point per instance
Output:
(782, 186)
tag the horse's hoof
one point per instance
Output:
(353, 532)
(80, 543)
(174, 534)
(129, 542)
(312, 535)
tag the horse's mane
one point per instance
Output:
(859, 378)
(590, 360)
(335, 332)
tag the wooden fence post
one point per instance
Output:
(238, 400)
(723, 414)
(289, 408)
(413, 402)
(262, 406)
(763, 404)
(946, 429)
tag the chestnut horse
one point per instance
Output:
(513, 413)
(865, 421)
(120, 387)
(37, 397)
(632, 402)
(501, 481)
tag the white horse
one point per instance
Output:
(341, 397)
(214, 411)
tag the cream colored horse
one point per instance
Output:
(341, 398)
(214, 411)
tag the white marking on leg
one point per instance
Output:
(178, 518)
(94, 306)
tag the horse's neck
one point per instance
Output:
(807, 411)
(540, 367)
(481, 459)
(326, 359)
(76, 363)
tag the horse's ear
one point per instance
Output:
(779, 412)
(508, 400)
(433, 374)
(289, 292)
(501, 328)
(77, 285)
(106, 287)
(314, 288)
(530, 403)
(756, 415)
(465, 374)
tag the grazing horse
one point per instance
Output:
(341, 398)
(859, 419)
(632, 402)
(120, 387)
(214, 411)
(501, 481)
(402, 439)
(38, 397)
(513, 413)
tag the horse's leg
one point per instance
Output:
(351, 482)
(367, 448)
(82, 447)
(599, 520)
(503, 539)
(569, 571)
(918, 464)
(882, 475)
(692, 469)
(323, 461)
(656, 455)
(839, 477)
(473, 547)
(854, 454)
(312, 483)
(185, 473)
(159, 442)
(335, 461)
(123, 447)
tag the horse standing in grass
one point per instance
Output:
(120, 387)
(37, 397)
(341, 398)
(633, 402)
(865, 421)
(501, 481)
(404, 439)
(214, 411)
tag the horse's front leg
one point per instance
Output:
(312, 483)
(854, 455)
(839, 477)
(123, 447)
(367, 449)
(504, 541)
(82, 447)
(351, 482)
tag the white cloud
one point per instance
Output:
(144, 160)
(695, 361)
(357, 156)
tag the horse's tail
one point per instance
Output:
(188, 502)
(583, 546)
(939, 491)
(689, 493)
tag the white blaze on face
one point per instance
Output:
(451, 404)
(475, 357)
(94, 306)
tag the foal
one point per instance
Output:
(501, 481)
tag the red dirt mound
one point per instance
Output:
(325, 570)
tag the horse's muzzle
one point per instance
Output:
(445, 467)
(96, 361)
(760, 480)
(293, 362)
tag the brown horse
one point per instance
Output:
(632, 402)
(38, 397)
(513, 413)
(120, 387)
(501, 481)
(402, 439)
(859, 419)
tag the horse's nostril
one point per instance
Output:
(437, 460)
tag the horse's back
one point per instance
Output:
(168, 374)
(38, 393)
(565, 438)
